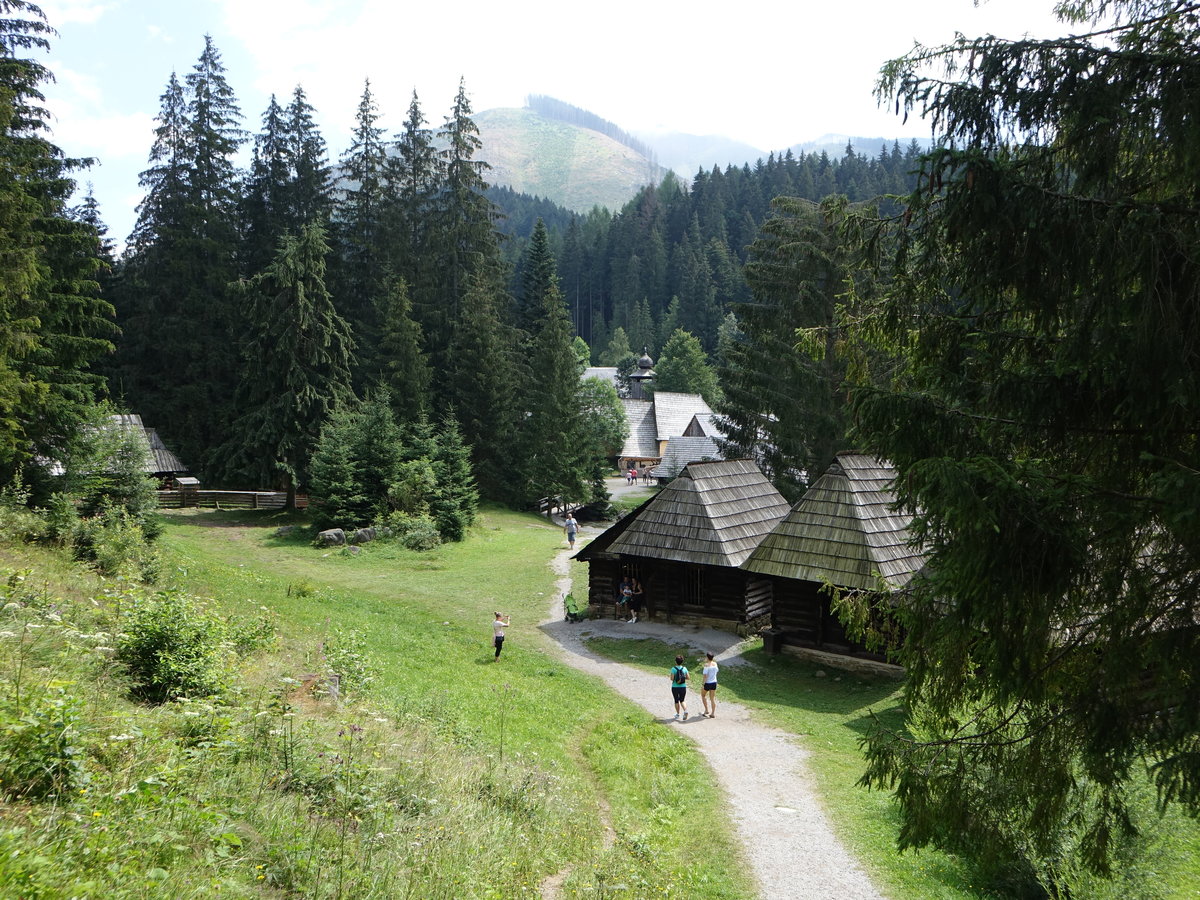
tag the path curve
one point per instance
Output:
(784, 833)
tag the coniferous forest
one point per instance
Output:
(1009, 317)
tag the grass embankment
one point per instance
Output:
(831, 713)
(451, 776)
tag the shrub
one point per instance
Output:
(418, 533)
(117, 544)
(17, 521)
(171, 647)
(39, 751)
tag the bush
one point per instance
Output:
(117, 544)
(39, 753)
(17, 521)
(418, 533)
(171, 647)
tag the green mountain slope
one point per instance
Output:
(575, 167)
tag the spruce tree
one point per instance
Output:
(455, 498)
(53, 324)
(403, 367)
(295, 366)
(1044, 425)
(361, 229)
(783, 406)
(178, 313)
(464, 241)
(480, 382)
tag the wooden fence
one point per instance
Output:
(228, 499)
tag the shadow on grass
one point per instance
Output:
(771, 680)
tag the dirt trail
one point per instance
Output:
(784, 833)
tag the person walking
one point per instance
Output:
(571, 528)
(708, 695)
(679, 679)
(498, 626)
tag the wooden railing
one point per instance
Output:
(228, 499)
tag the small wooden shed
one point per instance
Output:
(685, 546)
(844, 531)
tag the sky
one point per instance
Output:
(771, 73)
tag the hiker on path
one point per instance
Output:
(679, 679)
(708, 696)
(571, 527)
(498, 626)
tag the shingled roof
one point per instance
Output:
(682, 450)
(714, 513)
(844, 530)
(642, 442)
(673, 412)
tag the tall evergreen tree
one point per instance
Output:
(403, 368)
(415, 179)
(464, 242)
(53, 324)
(479, 383)
(555, 458)
(361, 227)
(310, 192)
(788, 408)
(1045, 426)
(296, 365)
(178, 314)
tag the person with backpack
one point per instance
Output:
(679, 679)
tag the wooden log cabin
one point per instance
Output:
(844, 531)
(685, 546)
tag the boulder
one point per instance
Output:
(363, 535)
(332, 537)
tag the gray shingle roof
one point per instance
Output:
(714, 513)
(843, 530)
(642, 442)
(682, 450)
(673, 412)
(604, 373)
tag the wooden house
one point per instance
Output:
(685, 546)
(844, 531)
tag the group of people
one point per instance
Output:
(708, 693)
(634, 474)
(630, 597)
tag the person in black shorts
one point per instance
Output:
(636, 599)
(679, 679)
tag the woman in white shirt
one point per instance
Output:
(708, 696)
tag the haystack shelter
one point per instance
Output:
(845, 531)
(685, 546)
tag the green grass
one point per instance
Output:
(830, 714)
(426, 619)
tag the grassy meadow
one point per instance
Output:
(442, 775)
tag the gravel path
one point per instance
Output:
(784, 833)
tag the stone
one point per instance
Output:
(332, 537)
(363, 536)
